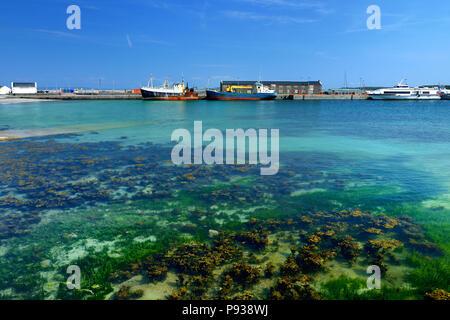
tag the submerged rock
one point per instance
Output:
(213, 233)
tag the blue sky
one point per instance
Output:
(125, 41)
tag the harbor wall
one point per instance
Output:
(201, 93)
(313, 97)
(81, 97)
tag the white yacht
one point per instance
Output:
(404, 92)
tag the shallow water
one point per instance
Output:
(91, 176)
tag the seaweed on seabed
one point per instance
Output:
(178, 294)
(310, 259)
(345, 288)
(239, 277)
(426, 247)
(226, 287)
(429, 274)
(125, 293)
(294, 288)
(377, 250)
(156, 267)
(349, 249)
(269, 270)
(243, 274)
(257, 239)
(438, 295)
(199, 286)
(192, 258)
(200, 259)
(289, 268)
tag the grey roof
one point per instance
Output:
(22, 83)
(308, 83)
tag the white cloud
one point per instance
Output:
(292, 4)
(58, 33)
(130, 44)
(244, 15)
(149, 39)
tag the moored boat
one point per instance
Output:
(404, 92)
(177, 92)
(445, 94)
(259, 92)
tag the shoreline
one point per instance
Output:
(14, 100)
(297, 97)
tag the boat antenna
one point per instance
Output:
(345, 80)
(150, 81)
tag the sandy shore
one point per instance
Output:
(19, 100)
(41, 132)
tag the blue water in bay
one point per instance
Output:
(417, 133)
(391, 157)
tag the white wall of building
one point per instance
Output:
(24, 88)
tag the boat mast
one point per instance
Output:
(150, 81)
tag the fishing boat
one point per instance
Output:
(177, 92)
(258, 92)
(403, 91)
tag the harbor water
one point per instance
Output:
(91, 184)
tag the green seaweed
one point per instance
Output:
(429, 274)
(345, 288)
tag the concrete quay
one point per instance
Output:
(80, 96)
(201, 93)
(318, 97)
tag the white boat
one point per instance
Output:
(402, 91)
(165, 91)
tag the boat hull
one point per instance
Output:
(230, 96)
(168, 96)
(412, 97)
(445, 96)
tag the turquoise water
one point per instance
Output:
(415, 133)
(388, 157)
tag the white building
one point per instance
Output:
(24, 87)
(4, 90)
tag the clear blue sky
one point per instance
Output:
(125, 41)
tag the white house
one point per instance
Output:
(4, 90)
(24, 87)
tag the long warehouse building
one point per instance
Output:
(280, 87)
